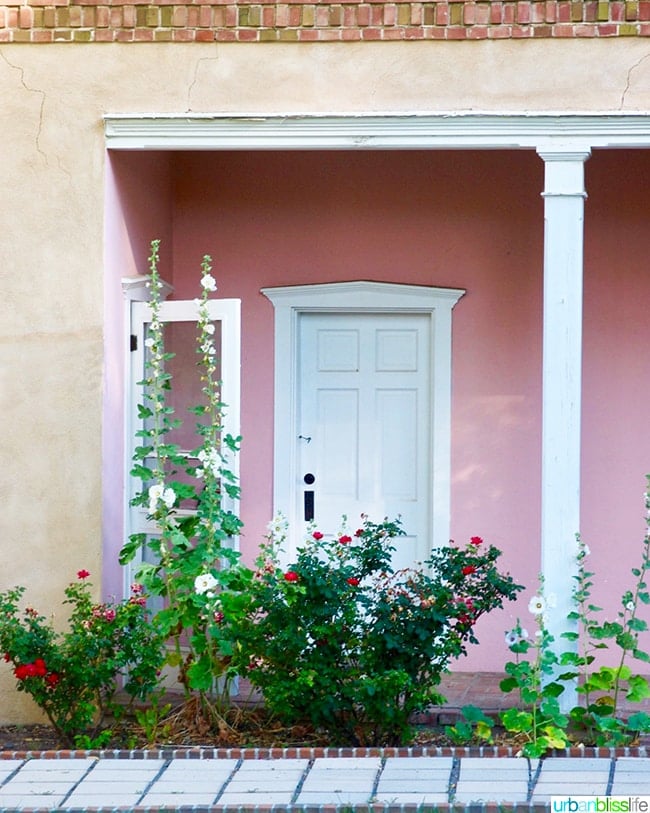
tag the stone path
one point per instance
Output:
(350, 783)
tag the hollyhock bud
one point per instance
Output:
(291, 576)
(345, 540)
(468, 570)
(353, 581)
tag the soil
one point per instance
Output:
(185, 726)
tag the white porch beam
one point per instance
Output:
(564, 195)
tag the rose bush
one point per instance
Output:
(342, 640)
(73, 676)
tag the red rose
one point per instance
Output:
(291, 576)
(40, 668)
(468, 570)
(52, 679)
(476, 540)
(353, 581)
(82, 574)
(22, 671)
(317, 535)
(359, 532)
(7, 657)
(345, 540)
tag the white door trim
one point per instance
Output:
(362, 297)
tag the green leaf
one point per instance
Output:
(637, 624)
(640, 721)
(508, 684)
(640, 655)
(644, 597)
(517, 720)
(638, 689)
(130, 548)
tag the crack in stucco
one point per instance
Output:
(628, 81)
(196, 77)
(41, 93)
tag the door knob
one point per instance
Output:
(309, 478)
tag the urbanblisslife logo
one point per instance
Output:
(600, 804)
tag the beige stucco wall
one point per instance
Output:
(52, 220)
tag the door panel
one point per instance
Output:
(364, 421)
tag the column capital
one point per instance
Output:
(564, 173)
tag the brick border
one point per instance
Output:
(46, 21)
(206, 752)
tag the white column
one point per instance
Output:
(564, 196)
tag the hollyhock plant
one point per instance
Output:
(191, 560)
(359, 662)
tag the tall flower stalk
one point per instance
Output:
(195, 563)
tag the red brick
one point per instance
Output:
(521, 31)
(607, 30)
(205, 16)
(551, 12)
(390, 14)
(309, 35)
(363, 15)
(282, 16)
(496, 13)
(104, 35)
(523, 13)
(616, 12)
(124, 36)
(322, 19)
(25, 17)
(350, 35)
(644, 10)
(414, 32)
(6, 36)
(564, 12)
(225, 35)
(442, 14)
(143, 35)
(395, 33)
(75, 16)
(499, 32)
(562, 31)
(586, 30)
(42, 36)
(477, 32)
(246, 35)
(509, 12)
(456, 32)
(371, 34)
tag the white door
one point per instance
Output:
(364, 423)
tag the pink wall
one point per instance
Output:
(458, 219)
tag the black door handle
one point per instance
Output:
(309, 506)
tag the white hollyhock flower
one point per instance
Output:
(168, 497)
(537, 605)
(155, 493)
(208, 282)
(512, 637)
(205, 583)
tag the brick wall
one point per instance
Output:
(304, 21)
